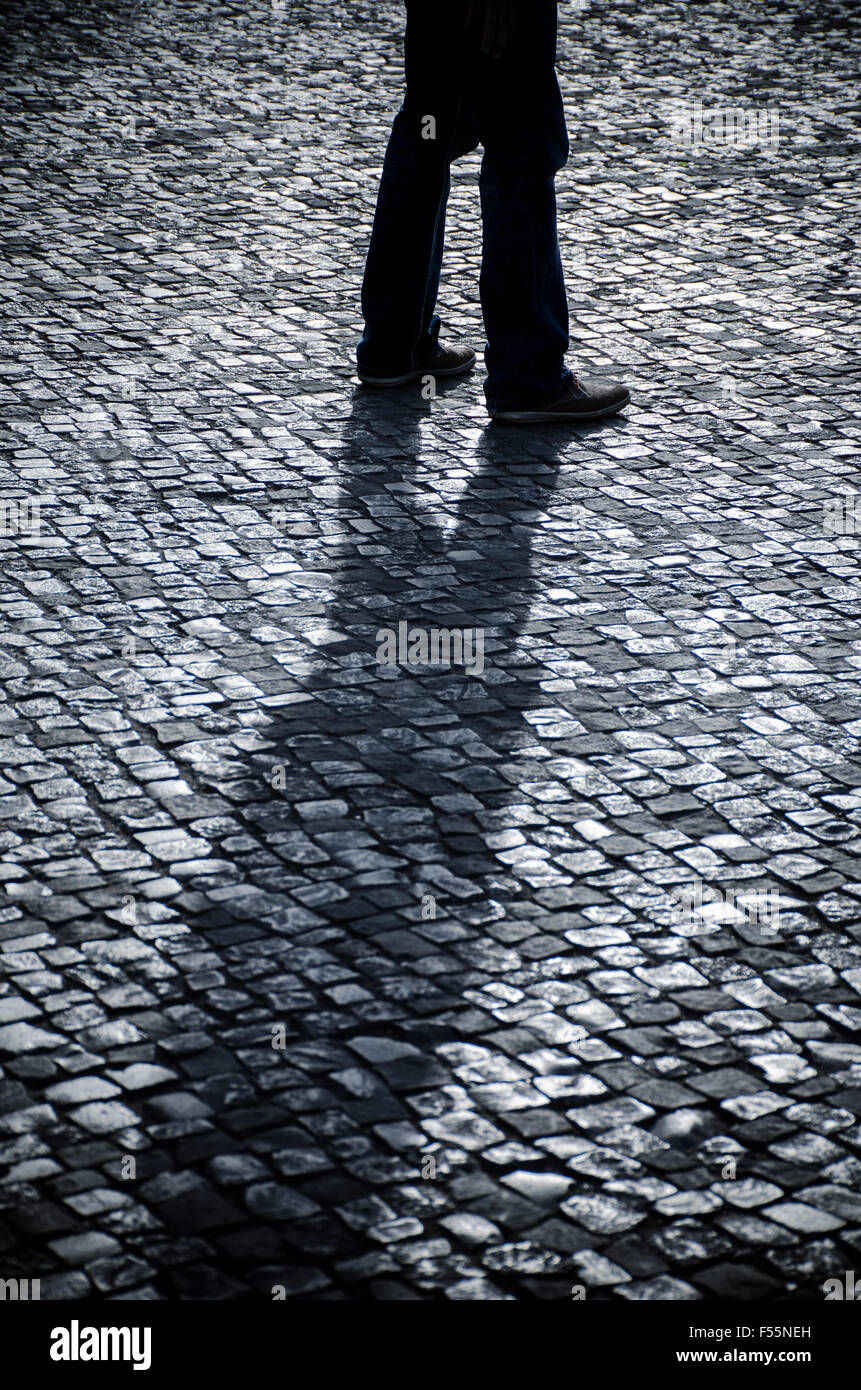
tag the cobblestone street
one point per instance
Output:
(352, 981)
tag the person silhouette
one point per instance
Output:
(478, 72)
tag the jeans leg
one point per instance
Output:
(402, 272)
(405, 254)
(522, 283)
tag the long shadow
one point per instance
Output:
(391, 870)
(374, 868)
(389, 780)
(430, 738)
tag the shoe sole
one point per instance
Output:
(541, 417)
(417, 374)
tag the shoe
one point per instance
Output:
(586, 398)
(444, 362)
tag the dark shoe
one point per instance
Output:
(445, 362)
(585, 398)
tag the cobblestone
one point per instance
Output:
(326, 978)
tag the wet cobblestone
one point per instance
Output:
(326, 979)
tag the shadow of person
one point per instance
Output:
(428, 543)
(380, 797)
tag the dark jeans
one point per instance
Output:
(513, 107)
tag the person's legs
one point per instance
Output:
(522, 127)
(402, 272)
(455, 97)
